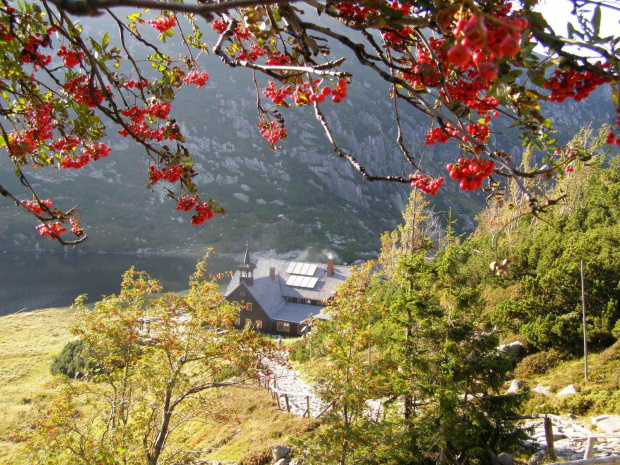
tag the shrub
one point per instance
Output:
(257, 457)
(300, 351)
(74, 360)
(539, 363)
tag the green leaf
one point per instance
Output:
(391, 12)
(615, 94)
(596, 20)
(106, 40)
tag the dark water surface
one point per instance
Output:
(30, 282)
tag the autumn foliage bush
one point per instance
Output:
(538, 363)
(74, 361)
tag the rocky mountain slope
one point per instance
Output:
(302, 196)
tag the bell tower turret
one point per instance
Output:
(246, 269)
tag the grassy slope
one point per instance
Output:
(29, 342)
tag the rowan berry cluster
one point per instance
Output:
(171, 175)
(340, 92)
(194, 77)
(203, 213)
(425, 72)
(141, 84)
(141, 129)
(277, 58)
(252, 55)
(185, 203)
(272, 131)
(354, 10)
(52, 230)
(40, 121)
(90, 152)
(163, 23)
(426, 184)
(611, 136)
(397, 36)
(482, 43)
(76, 228)
(218, 26)
(478, 131)
(81, 90)
(34, 206)
(441, 135)
(31, 54)
(303, 94)
(65, 144)
(276, 95)
(471, 172)
(574, 84)
(95, 151)
(70, 58)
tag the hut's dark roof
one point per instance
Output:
(271, 293)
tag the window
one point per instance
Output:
(242, 293)
(248, 321)
(235, 303)
(284, 327)
(248, 306)
(259, 324)
(237, 321)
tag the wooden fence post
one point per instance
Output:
(288, 408)
(308, 405)
(549, 438)
(587, 455)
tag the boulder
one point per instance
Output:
(298, 461)
(567, 391)
(607, 423)
(505, 459)
(281, 462)
(515, 386)
(514, 349)
(538, 458)
(280, 452)
(544, 390)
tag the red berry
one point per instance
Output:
(459, 55)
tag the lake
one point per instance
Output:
(30, 282)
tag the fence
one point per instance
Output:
(271, 385)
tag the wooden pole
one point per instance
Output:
(369, 356)
(585, 324)
(308, 405)
(587, 455)
(288, 407)
(549, 438)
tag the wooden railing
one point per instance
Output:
(270, 383)
(589, 436)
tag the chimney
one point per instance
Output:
(330, 267)
(272, 273)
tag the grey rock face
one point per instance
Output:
(280, 452)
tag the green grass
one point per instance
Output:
(599, 394)
(28, 343)
(249, 427)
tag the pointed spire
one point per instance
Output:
(246, 259)
(247, 268)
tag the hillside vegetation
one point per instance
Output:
(415, 335)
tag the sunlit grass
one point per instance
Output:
(28, 343)
(250, 424)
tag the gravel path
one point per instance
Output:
(287, 381)
(570, 438)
